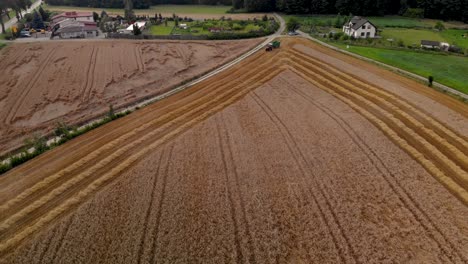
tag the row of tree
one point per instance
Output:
(438, 9)
(16, 5)
(138, 4)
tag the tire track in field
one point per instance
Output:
(160, 205)
(62, 238)
(72, 199)
(409, 131)
(232, 208)
(299, 158)
(48, 182)
(84, 175)
(443, 153)
(144, 115)
(453, 137)
(411, 137)
(228, 159)
(391, 134)
(404, 196)
(89, 84)
(148, 211)
(407, 114)
(14, 110)
(139, 59)
(47, 246)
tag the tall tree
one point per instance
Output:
(37, 22)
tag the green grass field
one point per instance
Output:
(446, 69)
(167, 9)
(162, 29)
(411, 36)
(381, 22)
(454, 36)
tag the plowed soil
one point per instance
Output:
(44, 83)
(300, 155)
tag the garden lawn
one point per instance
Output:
(447, 69)
(162, 29)
(454, 37)
(412, 36)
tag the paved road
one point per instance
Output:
(13, 21)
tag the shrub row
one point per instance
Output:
(63, 131)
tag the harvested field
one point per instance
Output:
(43, 83)
(300, 155)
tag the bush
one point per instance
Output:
(439, 26)
(293, 24)
(400, 43)
(430, 79)
(414, 13)
(337, 36)
(62, 129)
(4, 167)
(344, 37)
(237, 26)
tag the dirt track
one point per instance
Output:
(43, 83)
(286, 157)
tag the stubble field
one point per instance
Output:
(44, 83)
(301, 155)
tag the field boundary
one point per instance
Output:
(437, 85)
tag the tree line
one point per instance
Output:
(437, 9)
(18, 6)
(137, 4)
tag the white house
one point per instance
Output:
(360, 27)
(70, 28)
(129, 30)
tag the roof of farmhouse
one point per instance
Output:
(359, 22)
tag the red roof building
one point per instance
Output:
(79, 16)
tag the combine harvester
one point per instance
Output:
(273, 45)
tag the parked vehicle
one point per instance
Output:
(25, 34)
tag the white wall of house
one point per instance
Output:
(79, 34)
(88, 19)
(365, 31)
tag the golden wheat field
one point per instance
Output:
(300, 155)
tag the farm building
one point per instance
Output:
(360, 27)
(429, 44)
(70, 28)
(78, 16)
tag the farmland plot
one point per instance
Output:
(291, 156)
(42, 84)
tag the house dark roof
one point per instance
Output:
(430, 43)
(358, 22)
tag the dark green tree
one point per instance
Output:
(37, 22)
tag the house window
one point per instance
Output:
(363, 27)
(362, 34)
(368, 26)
